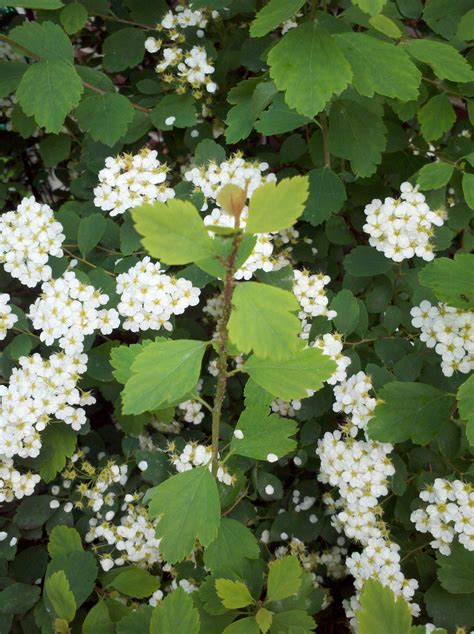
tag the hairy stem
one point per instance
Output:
(222, 347)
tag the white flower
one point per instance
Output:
(7, 318)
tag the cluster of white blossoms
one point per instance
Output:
(401, 228)
(7, 318)
(283, 408)
(331, 345)
(184, 18)
(248, 175)
(149, 297)
(450, 331)
(191, 410)
(353, 399)
(129, 180)
(40, 390)
(196, 455)
(28, 236)
(67, 310)
(449, 513)
(310, 292)
(13, 484)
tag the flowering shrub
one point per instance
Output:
(237, 317)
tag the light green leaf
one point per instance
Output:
(380, 611)
(380, 67)
(124, 49)
(273, 14)
(456, 571)
(59, 443)
(264, 619)
(277, 206)
(135, 582)
(327, 195)
(98, 620)
(347, 308)
(409, 410)
(264, 320)
(163, 372)
(466, 26)
(465, 398)
(233, 594)
(91, 229)
(468, 188)
(181, 107)
(435, 175)
(284, 578)
(263, 435)
(308, 64)
(48, 91)
(105, 117)
(291, 377)
(59, 595)
(173, 231)
(63, 540)
(292, 621)
(372, 7)
(348, 122)
(234, 544)
(436, 117)
(452, 281)
(443, 58)
(386, 26)
(73, 17)
(45, 40)
(175, 614)
(188, 505)
(122, 358)
(247, 625)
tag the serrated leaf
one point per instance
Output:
(60, 597)
(436, 117)
(273, 14)
(465, 398)
(372, 7)
(105, 117)
(173, 231)
(409, 410)
(347, 308)
(290, 378)
(55, 148)
(443, 58)
(247, 625)
(309, 66)
(91, 229)
(58, 443)
(435, 175)
(284, 578)
(452, 281)
(279, 118)
(366, 261)
(80, 569)
(98, 621)
(456, 571)
(48, 91)
(381, 611)
(135, 582)
(45, 40)
(233, 545)
(63, 540)
(448, 609)
(277, 206)
(263, 435)
(137, 621)
(466, 26)
(264, 320)
(264, 619)
(233, 594)
(292, 621)
(468, 188)
(122, 358)
(10, 76)
(327, 195)
(73, 17)
(188, 505)
(175, 614)
(124, 49)
(181, 107)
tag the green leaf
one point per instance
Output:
(452, 281)
(233, 594)
(48, 91)
(380, 611)
(263, 319)
(10, 76)
(465, 398)
(279, 118)
(466, 26)
(372, 7)
(366, 262)
(263, 435)
(348, 122)
(163, 372)
(173, 231)
(436, 117)
(468, 188)
(449, 610)
(443, 58)
(386, 26)
(247, 625)
(347, 308)
(34, 4)
(208, 150)
(91, 229)
(54, 149)
(122, 358)
(284, 578)
(105, 117)
(181, 107)
(273, 14)
(63, 540)
(45, 40)
(98, 620)
(175, 614)
(234, 544)
(456, 571)
(59, 595)
(33, 512)
(188, 504)
(380, 67)
(135, 582)
(327, 195)
(80, 569)
(274, 207)
(409, 410)
(138, 621)
(18, 598)
(435, 175)
(264, 619)
(291, 377)
(308, 64)
(124, 49)
(73, 17)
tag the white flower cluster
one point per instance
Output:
(196, 455)
(402, 228)
(309, 291)
(68, 310)
(331, 345)
(448, 514)
(7, 318)
(129, 180)
(28, 236)
(191, 410)
(450, 331)
(149, 297)
(183, 18)
(248, 176)
(334, 559)
(353, 399)
(13, 484)
(283, 408)
(40, 390)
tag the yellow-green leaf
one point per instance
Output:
(284, 578)
(233, 594)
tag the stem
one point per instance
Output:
(114, 18)
(325, 130)
(222, 346)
